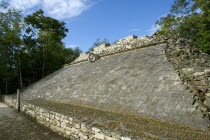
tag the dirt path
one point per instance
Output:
(16, 126)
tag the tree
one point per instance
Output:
(46, 34)
(30, 50)
(98, 42)
(71, 54)
(189, 19)
(10, 44)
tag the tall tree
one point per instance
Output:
(30, 50)
(189, 19)
(10, 43)
(46, 33)
(71, 54)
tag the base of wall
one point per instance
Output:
(63, 125)
(74, 129)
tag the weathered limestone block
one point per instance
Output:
(83, 137)
(65, 121)
(57, 118)
(208, 94)
(127, 38)
(188, 70)
(104, 45)
(201, 83)
(110, 138)
(125, 138)
(196, 74)
(96, 130)
(207, 72)
(115, 135)
(76, 124)
(82, 57)
(99, 136)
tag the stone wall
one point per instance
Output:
(193, 67)
(66, 126)
(128, 43)
(145, 75)
(140, 82)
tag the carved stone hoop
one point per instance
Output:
(92, 57)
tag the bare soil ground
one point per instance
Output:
(16, 126)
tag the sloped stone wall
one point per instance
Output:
(140, 82)
(193, 67)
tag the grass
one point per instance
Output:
(126, 124)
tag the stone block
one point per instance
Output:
(115, 135)
(131, 37)
(110, 138)
(68, 132)
(57, 118)
(99, 136)
(207, 72)
(96, 130)
(70, 119)
(74, 130)
(82, 136)
(196, 74)
(208, 94)
(65, 121)
(125, 138)
(63, 124)
(104, 45)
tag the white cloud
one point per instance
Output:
(71, 46)
(153, 29)
(59, 9)
(24, 4)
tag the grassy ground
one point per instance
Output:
(126, 124)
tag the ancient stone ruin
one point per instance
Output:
(154, 77)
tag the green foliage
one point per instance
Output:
(186, 22)
(71, 54)
(10, 43)
(46, 34)
(31, 49)
(98, 42)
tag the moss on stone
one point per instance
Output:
(125, 124)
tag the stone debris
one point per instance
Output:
(190, 65)
(124, 44)
(193, 68)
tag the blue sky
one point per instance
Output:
(88, 20)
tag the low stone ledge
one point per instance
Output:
(66, 126)
(73, 128)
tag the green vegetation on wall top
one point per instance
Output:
(189, 19)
